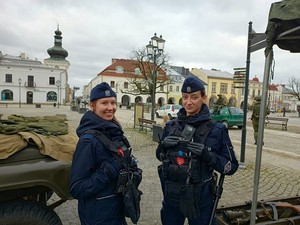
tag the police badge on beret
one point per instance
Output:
(107, 93)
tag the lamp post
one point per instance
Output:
(20, 81)
(154, 49)
(58, 86)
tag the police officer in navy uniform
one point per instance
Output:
(186, 173)
(95, 169)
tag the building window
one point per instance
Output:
(119, 69)
(258, 92)
(8, 78)
(137, 71)
(223, 88)
(213, 87)
(232, 89)
(7, 95)
(177, 88)
(253, 93)
(112, 84)
(162, 88)
(30, 80)
(126, 85)
(171, 88)
(52, 80)
(51, 96)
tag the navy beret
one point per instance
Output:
(102, 90)
(192, 84)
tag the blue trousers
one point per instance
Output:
(172, 216)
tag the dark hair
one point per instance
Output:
(202, 92)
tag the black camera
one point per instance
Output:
(188, 133)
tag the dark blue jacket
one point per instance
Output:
(224, 160)
(91, 184)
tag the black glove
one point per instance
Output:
(207, 156)
(170, 141)
(110, 171)
(201, 151)
(196, 148)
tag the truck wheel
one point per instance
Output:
(26, 212)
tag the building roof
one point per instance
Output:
(185, 72)
(128, 66)
(273, 87)
(20, 60)
(255, 79)
(217, 73)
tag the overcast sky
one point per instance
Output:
(199, 34)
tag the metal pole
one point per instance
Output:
(57, 95)
(261, 126)
(153, 85)
(19, 94)
(245, 105)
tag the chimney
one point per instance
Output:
(187, 71)
(22, 56)
(113, 60)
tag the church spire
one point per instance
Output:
(57, 51)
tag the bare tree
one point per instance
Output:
(294, 84)
(150, 77)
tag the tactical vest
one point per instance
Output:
(184, 172)
(180, 164)
(122, 152)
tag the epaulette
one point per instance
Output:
(87, 136)
(170, 123)
(220, 125)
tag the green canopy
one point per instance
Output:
(283, 27)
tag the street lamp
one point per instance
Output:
(154, 49)
(20, 81)
(58, 86)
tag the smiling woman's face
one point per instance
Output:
(105, 107)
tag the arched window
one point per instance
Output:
(7, 95)
(119, 69)
(51, 96)
(137, 71)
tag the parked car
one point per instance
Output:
(229, 116)
(169, 110)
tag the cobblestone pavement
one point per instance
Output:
(279, 174)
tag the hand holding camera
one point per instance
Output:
(170, 141)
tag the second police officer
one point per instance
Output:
(191, 148)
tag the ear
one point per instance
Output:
(92, 106)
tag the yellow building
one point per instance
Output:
(218, 83)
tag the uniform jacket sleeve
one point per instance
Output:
(87, 177)
(219, 143)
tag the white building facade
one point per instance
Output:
(27, 81)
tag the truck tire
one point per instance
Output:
(29, 213)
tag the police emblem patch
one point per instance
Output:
(188, 89)
(107, 93)
(227, 167)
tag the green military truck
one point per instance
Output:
(27, 181)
